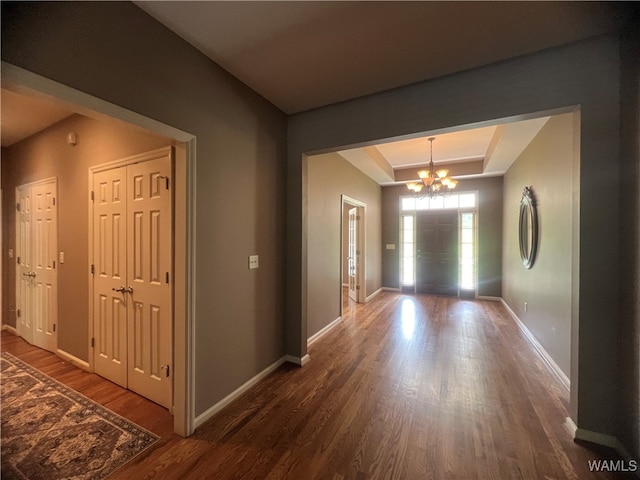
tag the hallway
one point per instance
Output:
(405, 387)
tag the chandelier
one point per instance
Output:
(432, 183)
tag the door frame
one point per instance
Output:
(361, 268)
(30, 185)
(23, 81)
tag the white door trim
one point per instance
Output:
(23, 81)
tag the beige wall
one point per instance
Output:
(330, 177)
(546, 166)
(116, 52)
(48, 154)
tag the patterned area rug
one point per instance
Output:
(51, 432)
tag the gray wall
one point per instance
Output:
(546, 165)
(47, 154)
(489, 233)
(629, 339)
(553, 81)
(116, 52)
(329, 177)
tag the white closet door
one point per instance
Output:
(149, 250)
(36, 270)
(133, 259)
(45, 251)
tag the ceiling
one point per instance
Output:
(22, 116)
(304, 55)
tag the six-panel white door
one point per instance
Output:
(110, 274)
(24, 287)
(36, 251)
(132, 251)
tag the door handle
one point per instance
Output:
(123, 289)
(29, 274)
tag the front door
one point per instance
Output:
(437, 252)
(36, 251)
(133, 258)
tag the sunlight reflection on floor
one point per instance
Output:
(408, 318)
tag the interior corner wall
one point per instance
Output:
(118, 53)
(545, 166)
(489, 224)
(47, 154)
(329, 177)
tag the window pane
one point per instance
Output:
(407, 256)
(437, 202)
(467, 250)
(467, 200)
(451, 201)
(422, 204)
(408, 203)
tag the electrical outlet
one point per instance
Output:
(526, 306)
(253, 262)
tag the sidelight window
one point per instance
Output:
(407, 250)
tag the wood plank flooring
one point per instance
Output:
(405, 387)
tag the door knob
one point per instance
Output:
(29, 274)
(123, 289)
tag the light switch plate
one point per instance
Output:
(253, 262)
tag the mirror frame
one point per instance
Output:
(528, 228)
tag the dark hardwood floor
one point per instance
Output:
(405, 387)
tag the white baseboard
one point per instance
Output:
(10, 329)
(490, 298)
(210, 412)
(297, 360)
(539, 348)
(73, 360)
(325, 330)
(571, 427)
(391, 289)
(373, 294)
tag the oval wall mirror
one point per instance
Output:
(528, 228)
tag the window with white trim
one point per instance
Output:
(466, 204)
